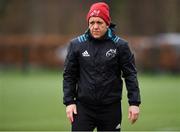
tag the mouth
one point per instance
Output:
(95, 32)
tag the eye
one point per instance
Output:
(99, 22)
(91, 23)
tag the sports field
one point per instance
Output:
(33, 101)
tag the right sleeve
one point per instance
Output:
(70, 76)
(130, 74)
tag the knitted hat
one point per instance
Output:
(101, 10)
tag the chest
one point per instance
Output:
(103, 54)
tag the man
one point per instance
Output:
(92, 82)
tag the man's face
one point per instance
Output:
(97, 26)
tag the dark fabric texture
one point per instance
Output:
(103, 117)
(94, 69)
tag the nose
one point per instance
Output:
(96, 26)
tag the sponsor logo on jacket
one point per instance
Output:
(85, 54)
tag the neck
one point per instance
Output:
(104, 36)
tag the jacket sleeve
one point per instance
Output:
(70, 76)
(129, 73)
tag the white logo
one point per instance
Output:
(85, 54)
(111, 53)
(95, 13)
(118, 126)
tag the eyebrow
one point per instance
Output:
(93, 21)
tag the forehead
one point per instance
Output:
(95, 19)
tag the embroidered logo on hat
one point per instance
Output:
(95, 13)
(99, 9)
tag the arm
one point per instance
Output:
(70, 75)
(130, 75)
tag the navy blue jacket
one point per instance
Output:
(93, 71)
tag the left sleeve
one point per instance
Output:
(70, 76)
(129, 73)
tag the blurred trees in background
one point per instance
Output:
(133, 17)
(35, 32)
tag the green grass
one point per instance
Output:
(160, 109)
(33, 101)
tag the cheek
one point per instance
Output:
(103, 29)
(91, 29)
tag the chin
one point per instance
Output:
(96, 36)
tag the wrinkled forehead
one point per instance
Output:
(96, 19)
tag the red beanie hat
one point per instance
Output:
(101, 10)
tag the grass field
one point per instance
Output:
(33, 101)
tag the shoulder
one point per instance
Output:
(118, 41)
(122, 45)
(115, 39)
(79, 39)
(77, 42)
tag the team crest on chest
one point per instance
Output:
(111, 53)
